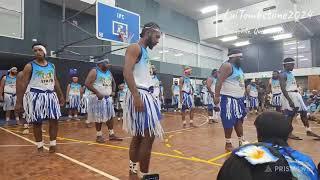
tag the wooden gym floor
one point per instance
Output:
(190, 154)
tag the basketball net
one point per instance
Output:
(125, 38)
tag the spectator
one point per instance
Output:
(262, 160)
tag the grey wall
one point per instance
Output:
(169, 20)
(31, 24)
(315, 49)
(262, 57)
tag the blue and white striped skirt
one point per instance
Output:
(100, 110)
(232, 110)
(84, 104)
(187, 101)
(175, 100)
(136, 123)
(74, 102)
(9, 101)
(254, 102)
(41, 105)
(276, 100)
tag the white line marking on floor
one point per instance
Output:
(15, 145)
(67, 157)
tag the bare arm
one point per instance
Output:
(131, 56)
(181, 85)
(269, 87)
(58, 90)
(68, 91)
(114, 85)
(81, 91)
(225, 71)
(2, 86)
(283, 79)
(209, 83)
(23, 79)
(90, 80)
(248, 90)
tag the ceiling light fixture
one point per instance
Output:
(282, 36)
(229, 38)
(243, 43)
(179, 54)
(209, 9)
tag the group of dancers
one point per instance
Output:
(39, 96)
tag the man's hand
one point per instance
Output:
(62, 101)
(19, 107)
(138, 104)
(100, 96)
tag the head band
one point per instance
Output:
(42, 48)
(235, 55)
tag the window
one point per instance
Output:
(12, 18)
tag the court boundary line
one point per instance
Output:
(29, 145)
(66, 157)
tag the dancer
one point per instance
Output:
(43, 98)
(213, 111)
(175, 89)
(274, 87)
(74, 94)
(100, 109)
(291, 100)
(252, 92)
(230, 88)
(141, 114)
(186, 96)
(8, 93)
(120, 100)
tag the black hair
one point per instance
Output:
(147, 26)
(276, 72)
(236, 168)
(37, 44)
(286, 60)
(273, 127)
(214, 71)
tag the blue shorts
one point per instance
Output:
(232, 110)
(187, 101)
(254, 102)
(276, 100)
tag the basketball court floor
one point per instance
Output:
(191, 153)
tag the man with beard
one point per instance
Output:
(141, 114)
(291, 100)
(230, 90)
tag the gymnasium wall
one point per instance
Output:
(262, 57)
(169, 20)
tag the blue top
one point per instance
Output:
(10, 84)
(187, 86)
(103, 82)
(75, 89)
(42, 77)
(234, 85)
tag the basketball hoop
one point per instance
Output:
(125, 38)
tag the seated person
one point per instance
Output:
(271, 158)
